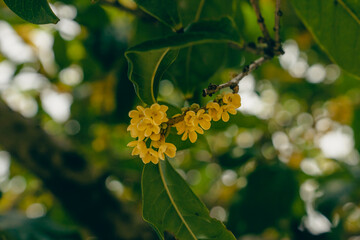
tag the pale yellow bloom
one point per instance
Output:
(166, 148)
(190, 118)
(139, 147)
(203, 119)
(137, 115)
(148, 126)
(149, 155)
(157, 113)
(232, 99)
(214, 110)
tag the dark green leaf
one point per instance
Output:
(163, 10)
(170, 205)
(148, 61)
(34, 11)
(195, 10)
(146, 69)
(335, 25)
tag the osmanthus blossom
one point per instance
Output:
(152, 124)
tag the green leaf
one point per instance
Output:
(148, 61)
(195, 10)
(34, 11)
(335, 25)
(163, 10)
(146, 69)
(170, 205)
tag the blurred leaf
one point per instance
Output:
(59, 48)
(335, 25)
(170, 205)
(356, 128)
(336, 192)
(165, 11)
(19, 227)
(34, 11)
(267, 198)
(149, 60)
(86, 17)
(107, 45)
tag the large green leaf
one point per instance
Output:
(34, 11)
(170, 205)
(163, 10)
(146, 69)
(149, 60)
(336, 27)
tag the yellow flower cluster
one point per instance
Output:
(197, 122)
(227, 104)
(147, 123)
(152, 123)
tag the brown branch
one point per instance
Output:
(235, 81)
(278, 14)
(70, 178)
(260, 20)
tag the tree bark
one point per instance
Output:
(70, 178)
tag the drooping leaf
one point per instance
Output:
(34, 11)
(335, 25)
(163, 10)
(148, 61)
(170, 205)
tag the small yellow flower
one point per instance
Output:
(139, 147)
(203, 119)
(135, 132)
(168, 148)
(149, 155)
(190, 118)
(157, 113)
(232, 99)
(214, 110)
(137, 115)
(191, 133)
(148, 126)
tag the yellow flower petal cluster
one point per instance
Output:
(152, 124)
(145, 124)
(193, 123)
(228, 104)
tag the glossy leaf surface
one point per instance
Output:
(163, 10)
(170, 205)
(336, 27)
(148, 61)
(34, 11)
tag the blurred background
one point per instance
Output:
(285, 167)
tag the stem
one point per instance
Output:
(260, 20)
(235, 81)
(278, 14)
